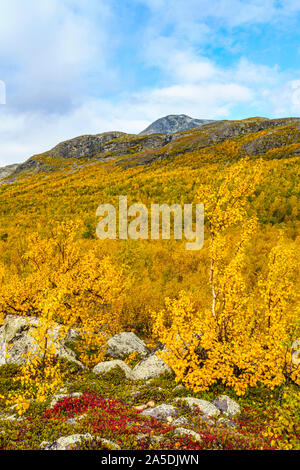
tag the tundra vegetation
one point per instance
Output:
(228, 315)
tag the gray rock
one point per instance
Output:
(72, 334)
(228, 423)
(101, 146)
(182, 432)
(16, 340)
(204, 406)
(181, 421)
(8, 170)
(110, 444)
(227, 405)
(161, 412)
(179, 388)
(173, 123)
(76, 420)
(2, 347)
(296, 352)
(106, 366)
(149, 368)
(65, 442)
(207, 420)
(126, 343)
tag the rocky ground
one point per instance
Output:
(130, 401)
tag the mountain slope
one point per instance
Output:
(272, 138)
(69, 182)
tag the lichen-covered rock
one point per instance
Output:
(296, 352)
(106, 366)
(227, 423)
(110, 444)
(181, 421)
(227, 405)
(207, 408)
(16, 340)
(65, 442)
(161, 412)
(125, 343)
(179, 388)
(2, 347)
(150, 368)
(182, 432)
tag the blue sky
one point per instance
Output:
(74, 67)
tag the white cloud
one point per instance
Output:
(230, 12)
(49, 46)
(285, 100)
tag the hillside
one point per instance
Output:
(270, 138)
(227, 314)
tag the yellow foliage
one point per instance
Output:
(245, 336)
(61, 285)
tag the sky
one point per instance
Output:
(75, 67)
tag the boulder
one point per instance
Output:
(207, 420)
(182, 432)
(65, 442)
(163, 411)
(227, 423)
(2, 346)
(123, 344)
(16, 340)
(296, 352)
(73, 334)
(150, 368)
(227, 405)
(181, 421)
(206, 408)
(179, 388)
(109, 444)
(106, 366)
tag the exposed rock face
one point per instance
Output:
(173, 123)
(227, 405)
(85, 145)
(7, 170)
(207, 408)
(126, 343)
(163, 411)
(104, 146)
(16, 340)
(106, 366)
(149, 368)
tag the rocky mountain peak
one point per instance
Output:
(173, 123)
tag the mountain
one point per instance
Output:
(173, 123)
(53, 265)
(270, 138)
(7, 170)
